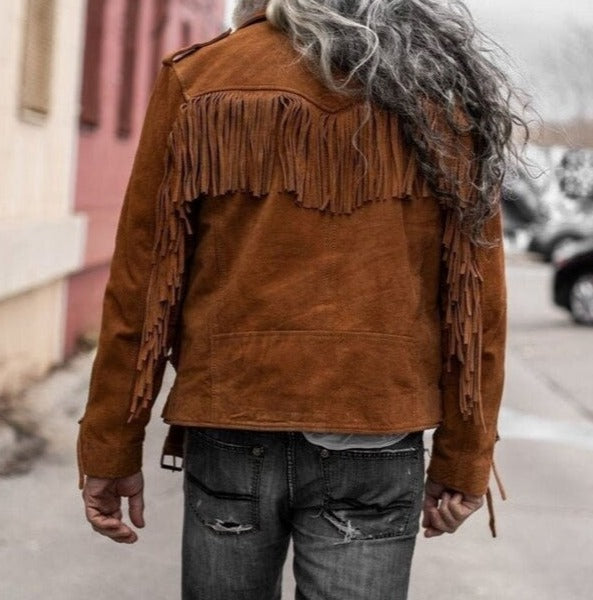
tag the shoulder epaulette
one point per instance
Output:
(189, 50)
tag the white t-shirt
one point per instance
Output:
(347, 441)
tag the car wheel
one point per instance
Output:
(581, 299)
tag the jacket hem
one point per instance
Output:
(300, 426)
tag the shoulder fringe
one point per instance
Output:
(264, 141)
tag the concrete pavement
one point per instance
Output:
(545, 528)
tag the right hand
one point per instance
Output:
(445, 510)
(102, 501)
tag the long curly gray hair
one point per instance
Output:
(411, 56)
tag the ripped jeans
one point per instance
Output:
(353, 516)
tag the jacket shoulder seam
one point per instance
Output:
(179, 55)
(278, 90)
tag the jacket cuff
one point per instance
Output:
(464, 473)
(98, 458)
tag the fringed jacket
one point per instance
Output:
(279, 246)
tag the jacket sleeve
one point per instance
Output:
(463, 449)
(109, 445)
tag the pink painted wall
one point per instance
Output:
(104, 159)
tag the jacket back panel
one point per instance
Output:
(295, 317)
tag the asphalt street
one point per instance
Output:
(544, 549)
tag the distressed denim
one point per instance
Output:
(353, 516)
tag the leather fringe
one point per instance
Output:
(261, 142)
(490, 500)
(463, 316)
(489, 497)
(491, 515)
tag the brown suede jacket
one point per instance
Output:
(279, 247)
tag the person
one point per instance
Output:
(311, 236)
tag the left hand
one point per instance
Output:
(445, 510)
(102, 501)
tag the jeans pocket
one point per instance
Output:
(371, 494)
(222, 480)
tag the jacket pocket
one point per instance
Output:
(292, 376)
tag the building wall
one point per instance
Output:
(31, 326)
(41, 239)
(105, 156)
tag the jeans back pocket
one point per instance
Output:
(374, 493)
(222, 480)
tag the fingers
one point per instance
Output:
(449, 514)
(432, 493)
(458, 509)
(425, 518)
(102, 499)
(473, 503)
(437, 521)
(430, 503)
(110, 526)
(431, 532)
(137, 509)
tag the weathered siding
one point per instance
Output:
(108, 142)
(41, 239)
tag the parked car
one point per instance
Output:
(573, 280)
(520, 207)
(549, 237)
(576, 173)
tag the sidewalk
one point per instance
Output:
(544, 550)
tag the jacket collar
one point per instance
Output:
(256, 18)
